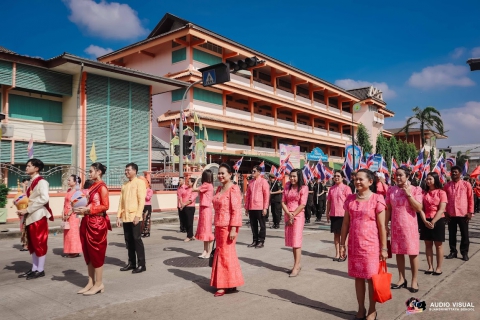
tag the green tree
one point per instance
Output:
(428, 118)
(433, 161)
(412, 152)
(402, 151)
(394, 149)
(383, 148)
(461, 159)
(363, 139)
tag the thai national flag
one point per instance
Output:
(184, 117)
(370, 160)
(384, 167)
(173, 128)
(262, 166)
(465, 169)
(328, 173)
(273, 170)
(237, 164)
(363, 164)
(288, 167)
(347, 170)
(394, 165)
(419, 161)
(452, 161)
(409, 163)
(307, 173)
(320, 169)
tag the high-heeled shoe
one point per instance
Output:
(93, 291)
(399, 286)
(295, 272)
(87, 288)
(219, 293)
(413, 290)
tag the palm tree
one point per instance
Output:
(462, 158)
(429, 118)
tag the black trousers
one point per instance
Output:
(452, 234)
(308, 210)
(320, 208)
(256, 219)
(477, 204)
(133, 240)
(182, 227)
(187, 215)
(147, 218)
(276, 208)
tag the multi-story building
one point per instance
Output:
(270, 104)
(65, 105)
(414, 136)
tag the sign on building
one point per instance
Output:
(293, 151)
(317, 154)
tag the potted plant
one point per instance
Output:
(3, 202)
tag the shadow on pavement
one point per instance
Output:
(304, 301)
(269, 236)
(117, 244)
(310, 254)
(201, 281)
(171, 238)
(72, 276)
(184, 251)
(116, 261)
(260, 263)
(19, 266)
(57, 251)
(335, 272)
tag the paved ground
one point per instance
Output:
(176, 284)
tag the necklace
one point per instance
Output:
(362, 197)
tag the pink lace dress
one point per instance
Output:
(71, 237)
(293, 199)
(404, 224)
(204, 227)
(363, 237)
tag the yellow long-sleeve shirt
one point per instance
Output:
(132, 200)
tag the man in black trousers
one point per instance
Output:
(319, 198)
(276, 191)
(130, 212)
(310, 205)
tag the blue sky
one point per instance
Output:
(415, 51)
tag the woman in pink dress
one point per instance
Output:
(403, 203)
(364, 222)
(294, 200)
(336, 197)
(204, 227)
(227, 202)
(432, 230)
(71, 236)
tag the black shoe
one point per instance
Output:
(277, 226)
(465, 257)
(428, 272)
(317, 220)
(437, 273)
(307, 221)
(26, 274)
(253, 244)
(451, 255)
(139, 269)
(259, 245)
(413, 290)
(399, 286)
(36, 274)
(128, 267)
(23, 249)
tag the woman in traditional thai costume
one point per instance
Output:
(93, 230)
(71, 235)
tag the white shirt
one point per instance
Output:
(36, 201)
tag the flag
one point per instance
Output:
(262, 166)
(307, 173)
(419, 161)
(283, 164)
(363, 164)
(465, 169)
(237, 164)
(205, 133)
(184, 117)
(195, 118)
(273, 170)
(475, 173)
(370, 160)
(320, 170)
(394, 165)
(288, 167)
(347, 170)
(384, 167)
(30, 147)
(438, 166)
(93, 153)
(173, 127)
(328, 173)
(452, 161)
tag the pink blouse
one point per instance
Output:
(337, 195)
(148, 197)
(180, 192)
(432, 200)
(189, 195)
(293, 198)
(228, 207)
(206, 194)
(67, 205)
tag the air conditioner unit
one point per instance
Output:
(7, 130)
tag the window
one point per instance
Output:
(212, 47)
(264, 77)
(284, 84)
(177, 95)
(29, 108)
(302, 91)
(207, 96)
(372, 108)
(206, 58)
(318, 96)
(179, 55)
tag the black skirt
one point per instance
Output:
(435, 234)
(336, 224)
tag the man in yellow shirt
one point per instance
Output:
(130, 209)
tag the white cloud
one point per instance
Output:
(354, 84)
(461, 124)
(442, 75)
(476, 52)
(96, 51)
(458, 52)
(106, 20)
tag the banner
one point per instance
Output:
(355, 152)
(293, 151)
(317, 154)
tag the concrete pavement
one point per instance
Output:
(176, 284)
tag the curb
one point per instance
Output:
(57, 230)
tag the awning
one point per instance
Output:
(270, 159)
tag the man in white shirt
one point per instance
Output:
(35, 219)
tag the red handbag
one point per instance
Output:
(381, 284)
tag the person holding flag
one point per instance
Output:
(276, 190)
(320, 198)
(237, 165)
(308, 176)
(336, 197)
(256, 205)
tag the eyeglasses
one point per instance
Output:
(337, 176)
(253, 171)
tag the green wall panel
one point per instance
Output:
(43, 80)
(207, 96)
(118, 120)
(54, 178)
(47, 152)
(177, 95)
(204, 57)
(6, 151)
(179, 55)
(29, 108)
(6, 72)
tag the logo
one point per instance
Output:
(414, 305)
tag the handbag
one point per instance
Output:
(65, 225)
(212, 254)
(389, 248)
(381, 284)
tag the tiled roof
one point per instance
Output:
(363, 94)
(474, 64)
(3, 49)
(160, 149)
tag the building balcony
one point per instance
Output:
(285, 124)
(304, 100)
(347, 137)
(208, 107)
(379, 118)
(238, 114)
(334, 110)
(347, 115)
(263, 87)
(334, 134)
(321, 132)
(285, 94)
(305, 128)
(263, 119)
(238, 79)
(319, 105)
